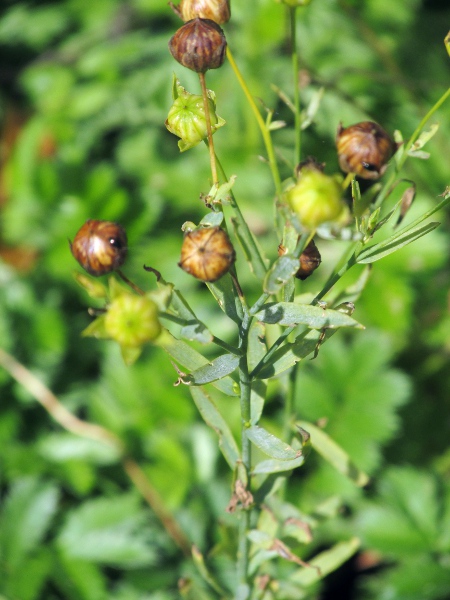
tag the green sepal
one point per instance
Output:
(93, 287)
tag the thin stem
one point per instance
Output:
(255, 257)
(264, 131)
(245, 403)
(295, 76)
(71, 423)
(132, 285)
(212, 154)
(387, 186)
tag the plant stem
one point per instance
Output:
(71, 423)
(295, 77)
(264, 131)
(387, 186)
(212, 154)
(254, 254)
(132, 285)
(245, 385)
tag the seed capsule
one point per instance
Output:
(310, 260)
(100, 247)
(216, 10)
(132, 320)
(199, 45)
(207, 253)
(364, 149)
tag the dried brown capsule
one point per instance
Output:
(216, 10)
(199, 45)
(100, 247)
(364, 149)
(207, 253)
(309, 259)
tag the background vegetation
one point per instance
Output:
(85, 90)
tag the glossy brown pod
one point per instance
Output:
(207, 253)
(310, 260)
(216, 10)
(364, 149)
(199, 45)
(100, 247)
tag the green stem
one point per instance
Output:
(255, 257)
(295, 76)
(387, 186)
(245, 403)
(212, 154)
(264, 131)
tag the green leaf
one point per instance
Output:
(314, 317)
(394, 243)
(423, 138)
(226, 297)
(111, 531)
(280, 272)
(189, 358)
(216, 369)
(214, 419)
(326, 562)
(277, 466)
(212, 219)
(249, 245)
(26, 516)
(334, 454)
(291, 353)
(199, 562)
(256, 351)
(270, 444)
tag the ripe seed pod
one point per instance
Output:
(199, 45)
(310, 260)
(215, 10)
(364, 149)
(100, 247)
(207, 253)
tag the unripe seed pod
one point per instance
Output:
(207, 253)
(199, 45)
(132, 320)
(216, 10)
(316, 198)
(364, 149)
(100, 247)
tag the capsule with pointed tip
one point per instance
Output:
(207, 253)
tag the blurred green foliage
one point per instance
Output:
(85, 90)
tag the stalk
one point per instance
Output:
(212, 154)
(295, 71)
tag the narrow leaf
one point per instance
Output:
(280, 272)
(314, 317)
(394, 243)
(214, 419)
(423, 138)
(217, 369)
(334, 454)
(270, 444)
(192, 360)
(199, 562)
(290, 354)
(277, 466)
(325, 563)
(226, 297)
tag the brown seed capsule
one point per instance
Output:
(199, 45)
(310, 259)
(100, 247)
(216, 10)
(207, 253)
(364, 149)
